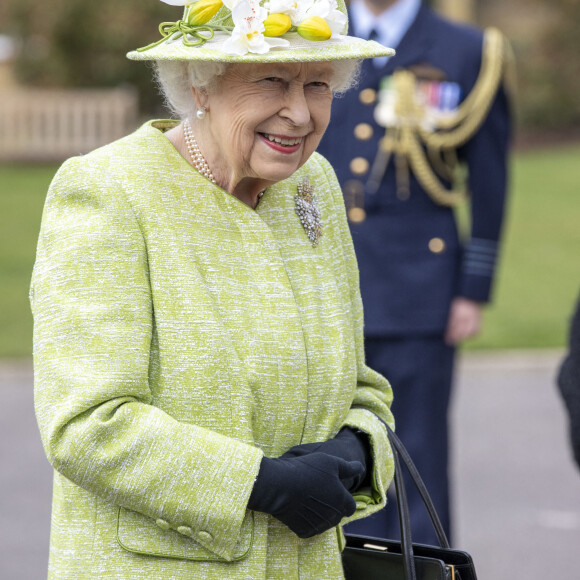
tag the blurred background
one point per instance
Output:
(66, 88)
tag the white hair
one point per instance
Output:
(176, 77)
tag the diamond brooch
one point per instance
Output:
(308, 212)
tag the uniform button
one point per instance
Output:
(164, 525)
(363, 131)
(357, 215)
(367, 96)
(437, 245)
(203, 536)
(185, 531)
(359, 166)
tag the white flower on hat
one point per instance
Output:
(328, 10)
(248, 33)
(289, 7)
(179, 2)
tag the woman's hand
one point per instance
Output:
(348, 445)
(307, 493)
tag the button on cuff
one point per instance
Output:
(185, 531)
(164, 525)
(203, 537)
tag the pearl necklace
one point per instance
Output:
(197, 158)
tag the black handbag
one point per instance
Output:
(367, 558)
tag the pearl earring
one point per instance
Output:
(201, 112)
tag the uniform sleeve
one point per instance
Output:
(486, 156)
(93, 323)
(373, 395)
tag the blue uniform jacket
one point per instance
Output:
(410, 257)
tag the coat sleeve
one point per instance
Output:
(93, 323)
(373, 395)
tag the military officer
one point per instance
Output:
(427, 129)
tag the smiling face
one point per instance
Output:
(264, 121)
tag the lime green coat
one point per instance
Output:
(179, 336)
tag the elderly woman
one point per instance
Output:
(200, 382)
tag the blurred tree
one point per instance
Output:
(545, 40)
(78, 43)
(555, 76)
(462, 10)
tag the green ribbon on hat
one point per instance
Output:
(181, 29)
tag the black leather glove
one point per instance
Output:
(348, 445)
(305, 493)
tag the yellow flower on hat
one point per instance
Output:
(277, 24)
(314, 28)
(328, 10)
(203, 11)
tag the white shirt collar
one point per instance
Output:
(391, 25)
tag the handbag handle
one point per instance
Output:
(399, 448)
(404, 522)
(399, 451)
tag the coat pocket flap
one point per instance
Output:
(141, 535)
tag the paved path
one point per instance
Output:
(517, 490)
(25, 480)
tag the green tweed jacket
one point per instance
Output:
(179, 336)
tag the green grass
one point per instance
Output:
(537, 283)
(539, 275)
(22, 193)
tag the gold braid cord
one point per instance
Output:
(430, 153)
